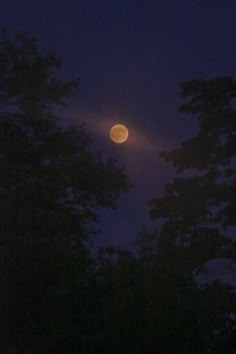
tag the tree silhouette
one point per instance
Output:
(197, 210)
(52, 183)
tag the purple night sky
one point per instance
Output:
(131, 59)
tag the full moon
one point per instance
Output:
(119, 133)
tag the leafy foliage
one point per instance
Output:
(52, 184)
(199, 207)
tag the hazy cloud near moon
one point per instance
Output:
(137, 141)
(139, 155)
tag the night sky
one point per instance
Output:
(131, 59)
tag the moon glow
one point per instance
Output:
(119, 133)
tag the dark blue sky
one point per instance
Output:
(131, 59)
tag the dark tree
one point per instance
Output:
(52, 183)
(198, 211)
